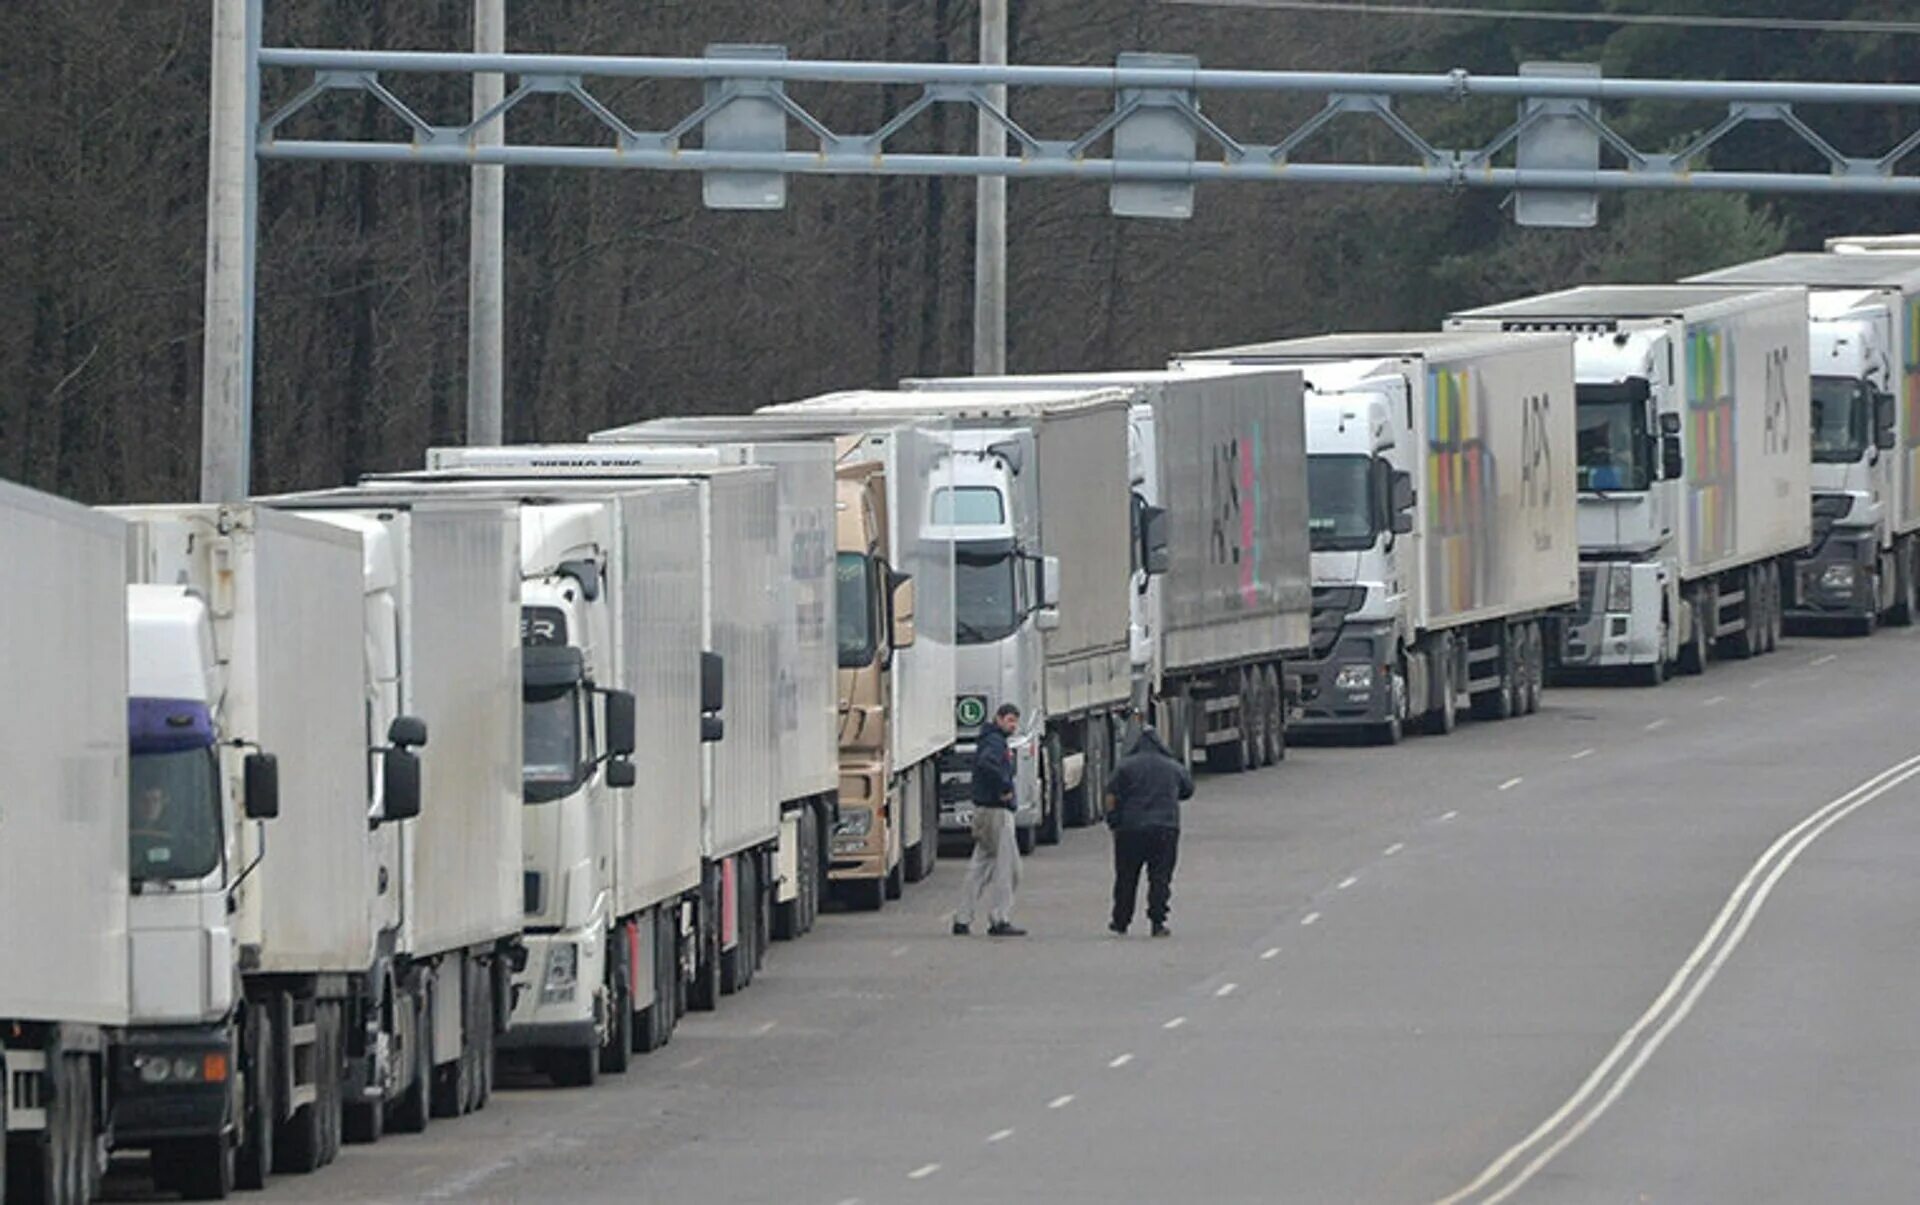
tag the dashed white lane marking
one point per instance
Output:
(693, 1062)
(1714, 701)
(1310, 918)
(1511, 783)
(1347, 882)
(1119, 1060)
(1176, 1023)
(852, 1201)
(1827, 658)
(1616, 1072)
(1584, 753)
(1657, 725)
(1757, 685)
(923, 1171)
(897, 951)
(1000, 1135)
(766, 1029)
(1225, 989)
(1270, 954)
(1060, 1102)
(1448, 815)
(1393, 849)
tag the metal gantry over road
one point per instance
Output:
(746, 133)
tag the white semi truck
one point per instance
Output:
(1441, 521)
(744, 835)
(609, 621)
(1038, 514)
(894, 618)
(1864, 433)
(1693, 468)
(63, 841)
(249, 924)
(437, 615)
(1221, 589)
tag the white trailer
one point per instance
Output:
(1426, 595)
(1035, 474)
(1694, 471)
(741, 563)
(63, 839)
(1864, 354)
(250, 941)
(439, 612)
(1220, 452)
(912, 461)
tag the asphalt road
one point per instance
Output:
(1571, 952)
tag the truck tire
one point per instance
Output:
(448, 1092)
(59, 1167)
(200, 1169)
(736, 965)
(1505, 699)
(1904, 608)
(364, 1121)
(703, 990)
(1275, 714)
(1025, 840)
(1095, 770)
(864, 895)
(1441, 717)
(299, 1145)
(1394, 729)
(617, 1054)
(254, 1158)
(329, 1055)
(1536, 666)
(896, 881)
(573, 1066)
(1053, 794)
(410, 1113)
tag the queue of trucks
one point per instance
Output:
(323, 806)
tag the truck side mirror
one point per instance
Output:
(1884, 415)
(1400, 492)
(1669, 423)
(1673, 464)
(1402, 522)
(407, 732)
(1155, 556)
(621, 774)
(261, 775)
(713, 682)
(712, 729)
(399, 784)
(1885, 439)
(903, 600)
(621, 727)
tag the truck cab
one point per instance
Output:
(1001, 593)
(189, 844)
(1362, 557)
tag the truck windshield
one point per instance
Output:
(1340, 506)
(968, 506)
(1841, 411)
(174, 821)
(854, 572)
(1612, 438)
(550, 743)
(986, 603)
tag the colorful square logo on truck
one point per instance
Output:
(1710, 437)
(1460, 491)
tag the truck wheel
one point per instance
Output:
(299, 1146)
(364, 1121)
(1025, 839)
(896, 881)
(1053, 794)
(1275, 713)
(254, 1159)
(1504, 699)
(447, 1093)
(1746, 642)
(864, 895)
(412, 1110)
(328, 1056)
(1391, 732)
(1693, 654)
(1441, 717)
(736, 965)
(617, 1055)
(1777, 598)
(1902, 613)
(573, 1067)
(1536, 666)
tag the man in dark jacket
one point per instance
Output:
(994, 870)
(1143, 810)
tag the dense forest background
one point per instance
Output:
(626, 298)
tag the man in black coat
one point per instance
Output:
(1143, 810)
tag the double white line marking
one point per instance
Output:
(1512, 1170)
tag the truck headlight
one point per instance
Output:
(153, 1068)
(1354, 677)
(1840, 577)
(563, 973)
(854, 822)
(1619, 590)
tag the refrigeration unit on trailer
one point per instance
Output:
(1864, 433)
(1035, 475)
(609, 627)
(1859, 244)
(894, 618)
(736, 534)
(1441, 521)
(437, 612)
(63, 840)
(1693, 467)
(249, 854)
(1221, 595)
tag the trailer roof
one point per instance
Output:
(1882, 270)
(776, 426)
(978, 404)
(1615, 301)
(1370, 346)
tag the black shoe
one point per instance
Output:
(1003, 929)
(961, 928)
(1160, 930)
(1116, 928)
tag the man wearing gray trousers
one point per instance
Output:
(994, 871)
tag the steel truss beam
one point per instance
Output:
(1168, 93)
